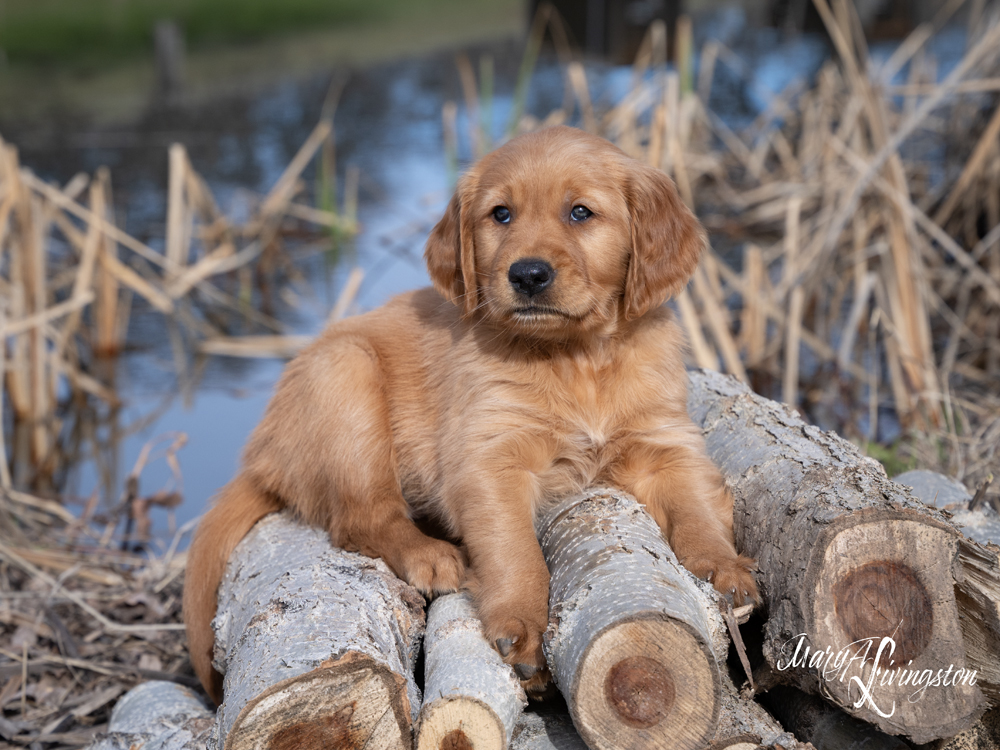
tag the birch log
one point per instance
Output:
(471, 698)
(316, 644)
(848, 560)
(628, 641)
(158, 716)
(546, 730)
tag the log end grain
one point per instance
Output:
(647, 683)
(885, 599)
(461, 724)
(880, 601)
(640, 690)
(354, 702)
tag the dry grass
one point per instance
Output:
(82, 619)
(89, 605)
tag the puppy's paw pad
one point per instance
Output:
(525, 671)
(732, 576)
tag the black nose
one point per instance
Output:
(530, 276)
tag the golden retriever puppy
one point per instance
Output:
(543, 361)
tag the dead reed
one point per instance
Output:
(88, 610)
(68, 277)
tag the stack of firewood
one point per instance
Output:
(880, 620)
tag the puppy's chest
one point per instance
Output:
(592, 417)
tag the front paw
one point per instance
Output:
(731, 575)
(432, 567)
(517, 636)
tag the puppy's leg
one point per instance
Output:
(686, 495)
(326, 447)
(511, 582)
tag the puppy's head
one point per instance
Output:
(559, 233)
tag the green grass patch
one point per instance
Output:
(100, 31)
(891, 458)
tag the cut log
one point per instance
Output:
(163, 715)
(628, 642)
(826, 726)
(546, 730)
(978, 594)
(316, 644)
(849, 562)
(977, 589)
(471, 698)
(984, 735)
(634, 638)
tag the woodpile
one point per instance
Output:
(862, 274)
(319, 646)
(845, 555)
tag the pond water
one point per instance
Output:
(388, 126)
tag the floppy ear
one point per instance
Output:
(450, 252)
(667, 241)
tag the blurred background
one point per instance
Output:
(190, 189)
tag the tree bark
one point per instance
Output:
(471, 698)
(984, 735)
(158, 714)
(978, 593)
(316, 644)
(546, 730)
(628, 642)
(848, 559)
(743, 721)
(977, 590)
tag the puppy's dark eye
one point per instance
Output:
(580, 213)
(502, 214)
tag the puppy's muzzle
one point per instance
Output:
(530, 276)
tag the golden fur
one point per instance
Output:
(475, 404)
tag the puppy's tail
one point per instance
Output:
(239, 506)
